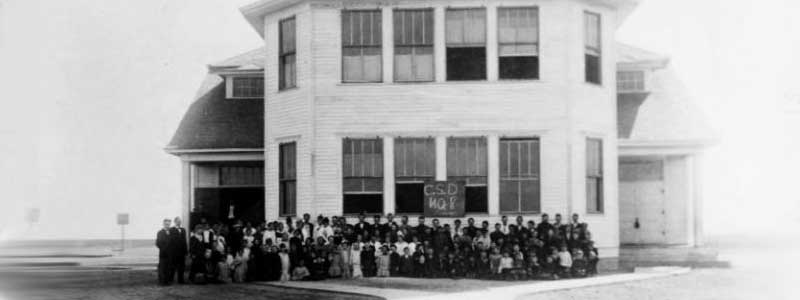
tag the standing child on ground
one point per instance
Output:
(383, 260)
(355, 261)
(494, 261)
(564, 261)
(284, 255)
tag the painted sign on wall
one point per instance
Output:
(444, 198)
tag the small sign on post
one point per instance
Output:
(122, 220)
(444, 199)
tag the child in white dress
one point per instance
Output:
(355, 261)
(284, 264)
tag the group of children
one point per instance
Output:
(332, 248)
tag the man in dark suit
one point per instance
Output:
(164, 243)
(362, 227)
(179, 250)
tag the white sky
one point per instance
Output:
(93, 90)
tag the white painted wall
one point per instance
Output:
(560, 108)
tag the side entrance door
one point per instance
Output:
(641, 200)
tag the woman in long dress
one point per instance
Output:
(355, 261)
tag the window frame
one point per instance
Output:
(636, 82)
(485, 44)
(282, 56)
(283, 211)
(413, 178)
(537, 44)
(597, 178)
(481, 164)
(536, 177)
(379, 164)
(230, 86)
(589, 50)
(414, 46)
(362, 47)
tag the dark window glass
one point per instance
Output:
(466, 63)
(287, 76)
(248, 87)
(287, 174)
(519, 67)
(409, 197)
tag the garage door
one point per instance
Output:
(642, 200)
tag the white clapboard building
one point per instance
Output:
(351, 106)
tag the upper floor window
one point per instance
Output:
(518, 42)
(361, 46)
(630, 81)
(413, 45)
(246, 87)
(287, 78)
(592, 47)
(466, 44)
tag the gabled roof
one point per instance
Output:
(632, 57)
(666, 113)
(213, 122)
(250, 60)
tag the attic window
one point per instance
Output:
(246, 87)
(630, 81)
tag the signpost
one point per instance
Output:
(444, 199)
(122, 220)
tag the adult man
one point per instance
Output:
(165, 244)
(179, 250)
(419, 231)
(544, 226)
(362, 227)
(504, 224)
(576, 226)
(472, 231)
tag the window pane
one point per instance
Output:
(591, 194)
(592, 68)
(476, 199)
(466, 27)
(415, 157)
(409, 198)
(529, 197)
(366, 203)
(592, 30)
(593, 157)
(517, 25)
(466, 63)
(509, 195)
(519, 67)
(464, 156)
(287, 29)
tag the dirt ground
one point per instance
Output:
(766, 269)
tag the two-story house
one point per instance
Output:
(351, 106)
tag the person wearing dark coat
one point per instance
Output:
(179, 250)
(196, 252)
(362, 227)
(544, 226)
(165, 244)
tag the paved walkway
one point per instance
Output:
(464, 289)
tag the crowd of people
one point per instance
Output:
(333, 248)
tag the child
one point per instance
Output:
(347, 271)
(431, 264)
(519, 264)
(406, 262)
(239, 266)
(564, 261)
(482, 268)
(284, 255)
(368, 266)
(532, 266)
(355, 262)
(300, 272)
(335, 270)
(225, 267)
(471, 268)
(494, 261)
(210, 269)
(506, 266)
(383, 261)
(394, 261)
(551, 263)
(318, 270)
(578, 264)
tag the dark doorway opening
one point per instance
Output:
(219, 204)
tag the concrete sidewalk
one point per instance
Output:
(464, 289)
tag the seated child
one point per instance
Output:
(578, 264)
(506, 265)
(564, 261)
(494, 261)
(318, 270)
(300, 272)
(532, 267)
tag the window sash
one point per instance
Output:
(362, 28)
(413, 27)
(415, 157)
(467, 157)
(466, 27)
(362, 158)
(288, 161)
(592, 33)
(287, 55)
(630, 80)
(413, 64)
(519, 158)
(518, 31)
(594, 175)
(247, 87)
(287, 36)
